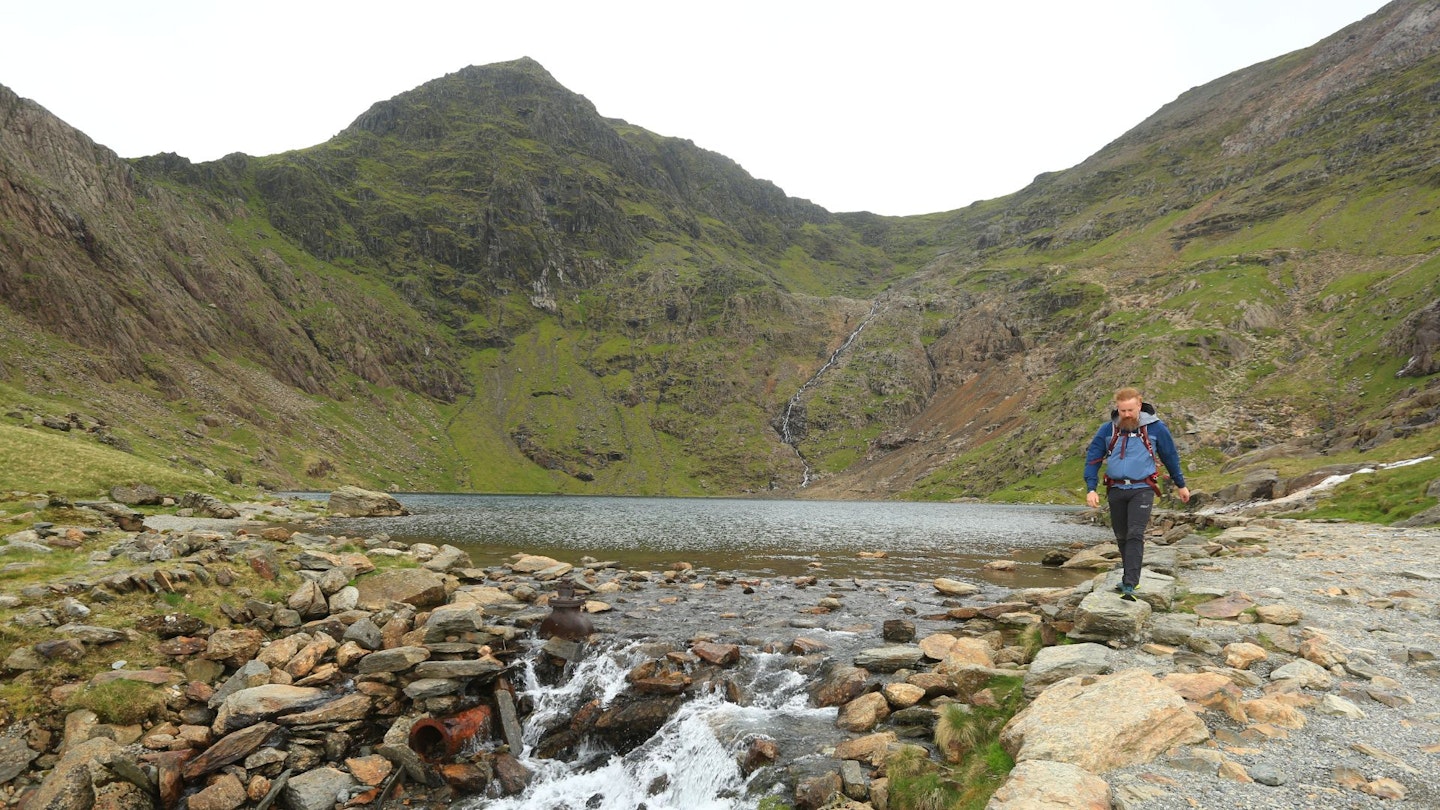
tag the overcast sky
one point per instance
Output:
(898, 108)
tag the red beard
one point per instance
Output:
(1130, 424)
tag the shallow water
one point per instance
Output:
(748, 537)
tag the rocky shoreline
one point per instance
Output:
(1270, 663)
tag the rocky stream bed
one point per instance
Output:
(1269, 664)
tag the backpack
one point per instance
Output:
(1154, 478)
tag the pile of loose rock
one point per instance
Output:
(309, 692)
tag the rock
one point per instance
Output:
(1305, 673)
(233, 647)
(483, 596)
(24, 659)
(1211, 690)
(70, 784)
(1323, 651)
(1046, 785)
(251, 673)
(863, 714)
(136, 495)
(1337, 706)
(413, 586)
(365, 633)
(889, 659)
(356, 502)
(902, 695)
(396, 659)
(535, 564)
(1103, 557)
(1272, 711)
(815, 792)
(225, 793)
(230, 748)
(343, 709)
(344, 600)
(898, 631)
(466, 668)
(761, 752)
(1104, 615)
(1279, 614)
(370, 770)
(257, 703)
(840, 685)
(961, 651)
(1242, 654)
(1102, 723)
(309, 601)
(871, 748)
(208, 506)
(1227, 607)
(447, 558)
(954, 587)
(721, 655)
(317, 789)
(15, 756)
(1054, 664)
(89, 634)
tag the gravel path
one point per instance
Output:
(1372, 590)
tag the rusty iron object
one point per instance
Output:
(437, 739)
(567, 618)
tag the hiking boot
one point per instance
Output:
(1127, 592)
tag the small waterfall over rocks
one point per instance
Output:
(694, 761)
(792, 420)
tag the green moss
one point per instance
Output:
(120, 702)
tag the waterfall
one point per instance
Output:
(788, 433)
(691, 763)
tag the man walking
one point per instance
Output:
(1129, 446)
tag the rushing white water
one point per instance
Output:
(692, 763)
(787, 421)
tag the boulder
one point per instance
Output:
(356, 502)
(71, 783)
(447, 558)
(1103, 615)
(208, 506)
(136, 495)
(862, 714)
(954, 587)
(413, 586)
(1044, 785)
(1102, 723)
(1420, 339)
(250, 706)
(1054, 664)
(15, 756)
(1257, 485)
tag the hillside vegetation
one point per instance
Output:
(483, 285)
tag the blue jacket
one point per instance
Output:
(1130, 458)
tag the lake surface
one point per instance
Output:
(747, 537)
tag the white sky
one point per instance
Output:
(900, 107)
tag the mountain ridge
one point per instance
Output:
(483, 284)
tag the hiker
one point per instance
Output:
(1129, 446)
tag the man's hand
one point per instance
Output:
(1183, 493)
(1092, 498)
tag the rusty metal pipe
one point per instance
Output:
(441, 738)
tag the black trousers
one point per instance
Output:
(1129, 515)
